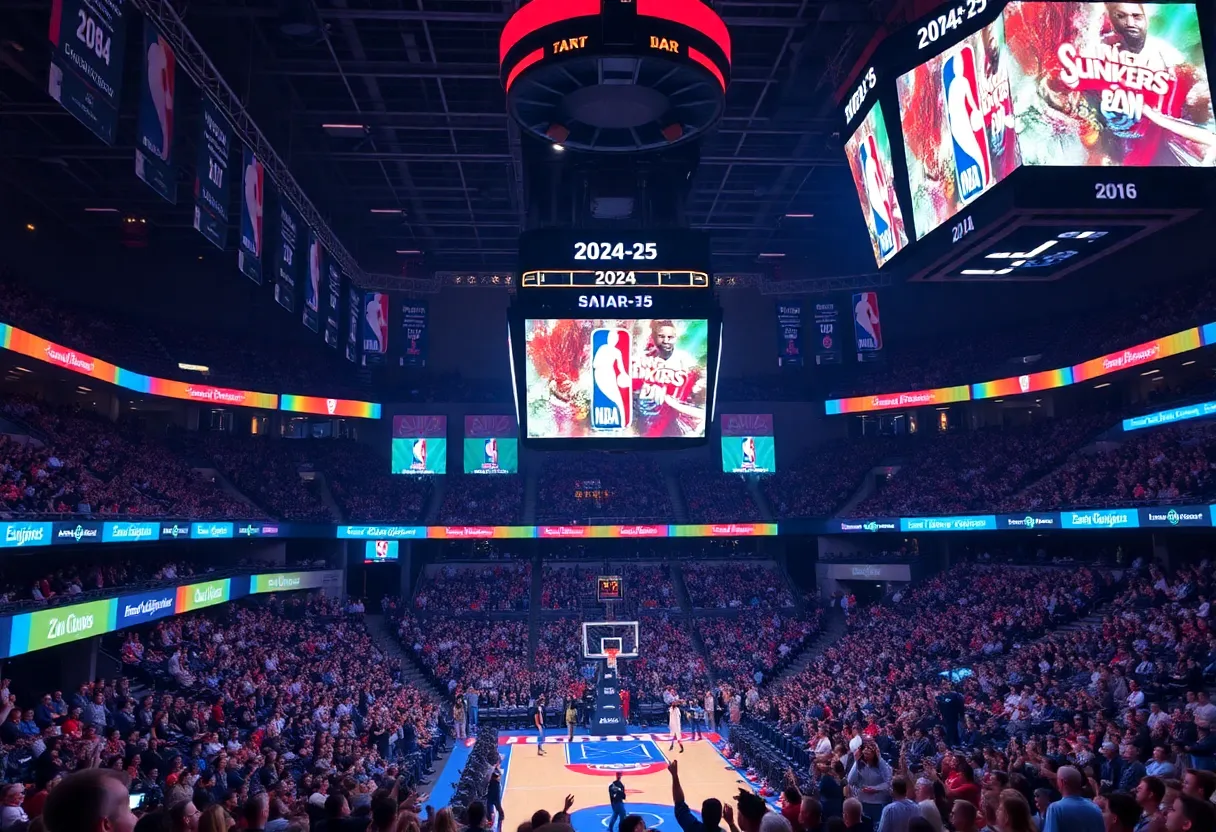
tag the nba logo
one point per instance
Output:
(612, 379)
(876, 194)
(968, 133)
(491, 454)
(1024, 383)
(419, 451)
(381, 550)
(331, 405)
(748, 445)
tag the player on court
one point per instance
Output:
(673, 725)
(672, 386)
(616, 799)
(538, 719)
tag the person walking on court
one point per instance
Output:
(571, 717)
(538, 719)
(673, 725)
(494, 798)
(616, 797)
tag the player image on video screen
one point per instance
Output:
(957, 119)
(616, 378)
(869, 154)
(1110, 83)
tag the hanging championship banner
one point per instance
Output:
(374, 327)
(352, 321)
(334, 296)
(413, 327)
(88, 38)
(289, 255)
(867, 326)
(789, 334)
(154, 144)
(253, 200)
(211, 176)
(828, 349)
(312, 283)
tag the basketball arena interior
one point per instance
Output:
(607, 416)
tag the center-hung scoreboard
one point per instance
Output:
(614, 338)
(1024, 139)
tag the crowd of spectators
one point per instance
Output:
(666, 659)
(557, 667)
(268, 472)
(472, 654)
(745, 648)
(495, 587)
(475, 499)
(823, 478)
(578, 487)
(713, 496)
(737, 586)
(360, 481)
(648, 585)
(566, 587)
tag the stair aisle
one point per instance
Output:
(382, 634)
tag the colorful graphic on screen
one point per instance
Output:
(749, 455)
(381, 551)
(957, 119)
(616, 378)
(420, 455)
(1120, 84)
(491, 455)
(869, 154)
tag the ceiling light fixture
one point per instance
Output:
(386, 211)
(409, 251)
(771, 254)
(1103, 384)
(101, 210)
(1188, 363)
(1149, 372)
(800, 216)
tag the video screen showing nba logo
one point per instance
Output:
(748, 446)
(956, 111)
(381, 551)
(616, 378)
(491, 445)
(869, 155)
(1110, 84)
(420, 445)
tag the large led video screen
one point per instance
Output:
(957, 118)
(420, 455)
(869, 154)
(606, 379)
(491, 455)
(1110, 84)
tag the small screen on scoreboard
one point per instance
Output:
(491, 455)
(609, 588)
(747, 443)
(381, 551)
(956, 112)
(869, 154)
(607, 378)
(420, 455)
(1110, 84)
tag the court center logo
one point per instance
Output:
(629, 757)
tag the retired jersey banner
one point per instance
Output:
(333, 313)
(289, 255)
(413, 327)
(154, 144)
(253, 200)
(312, 283)
(374, 327)
(789, 334)
(211, 176)
(88, 39)
(352, 321)
(867, 326)
(828, 349)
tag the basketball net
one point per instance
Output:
(611, 653)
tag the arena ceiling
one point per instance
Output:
(439, 168)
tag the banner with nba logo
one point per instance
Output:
(491, 445)
(154, 141)
(956, 111)
(211, 176)
(290, 226)
(789, 334)
(867, 326)
(88, 40)
(314, 268)
(413, 328)
(353, 307)
(869, 154)
(374, 327)
(333, 310)
(748, 446)
(253, 200)
(828, 346)
(420, 445)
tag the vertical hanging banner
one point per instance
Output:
(211, 176)
(253, 201)
(352, 321)
(88, 38)
(332, 309)
(154, 145)
(312, 283)
(789, 334)
(289, 251)
(828, 349)
(375, 327)
(867, 326)
(413, 327)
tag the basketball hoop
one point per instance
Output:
(612, 651)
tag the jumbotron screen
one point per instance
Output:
(420, 455)
(606, 378)
(491, 455)
(869, 154)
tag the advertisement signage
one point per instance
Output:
(1029, 522)
(145, 606)
(1175, 516)
(174, 531)
(329, 407)
(387, 532)
(258, 530)
(1165, 417)
(130, 532)
(23, 533)
(891, 401)
(1017, 385)
(210, 531)
(1138, 355)
(211, 176)
(1123, 518)
(206, 594)
(972, 523)
(491, 455)
(88, 40)
(61, 625)
(285, 582)
(68, 532)
(154, 142)
(886, 524)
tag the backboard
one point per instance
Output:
(600, 636)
